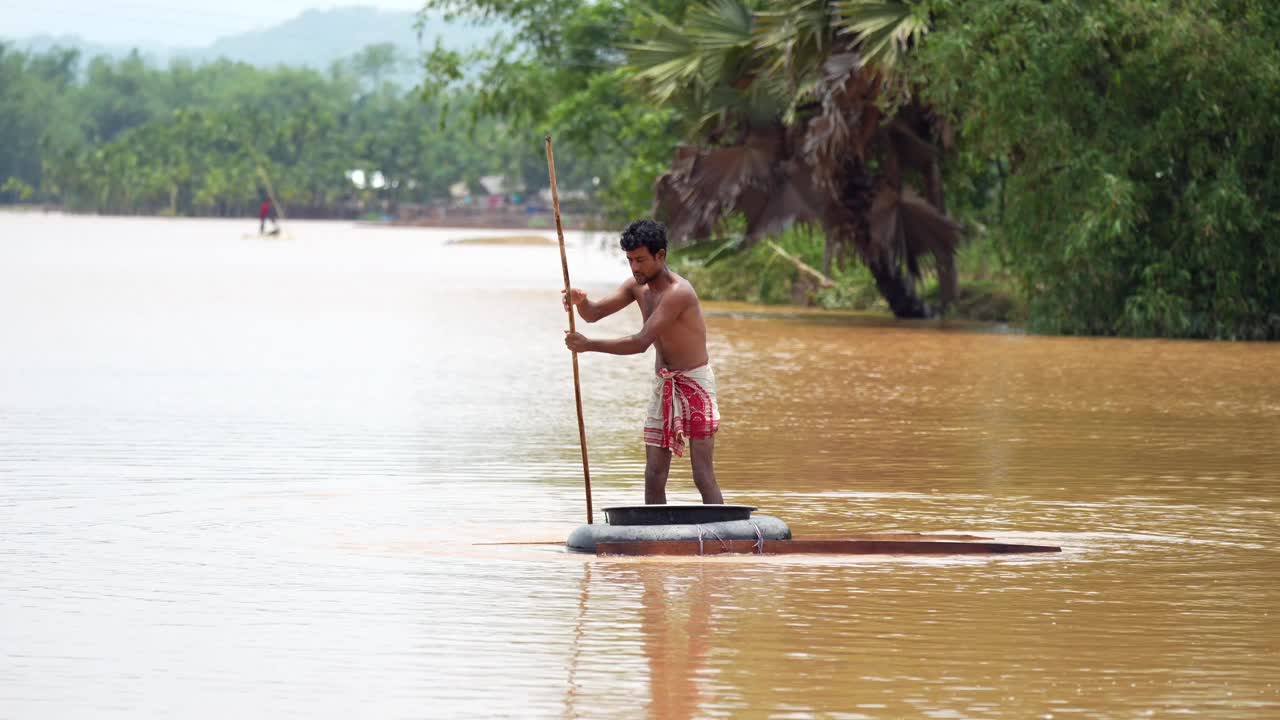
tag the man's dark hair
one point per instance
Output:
(645, 233)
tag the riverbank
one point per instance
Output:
(461, 218)
(498, 220)
(784, 272)
(781, 272)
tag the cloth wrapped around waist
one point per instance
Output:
(682, 406)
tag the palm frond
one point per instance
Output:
(666, 65)
(885, 30)
(792, 40)
(711, 49)
(705, 185)
(719, 25)
(905, 226)
(847, 117)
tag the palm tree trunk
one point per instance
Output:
(896, 288)
(848, 220)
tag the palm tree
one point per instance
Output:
(798, 114)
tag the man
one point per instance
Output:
(683, 402)
(267, 211)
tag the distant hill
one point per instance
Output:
(318, 37)
(314, 39)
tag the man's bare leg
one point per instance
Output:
(704, 474)
(657, 465)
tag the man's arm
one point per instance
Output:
(669, 308)
(612, 303)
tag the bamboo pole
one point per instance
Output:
(577, 385)
(823, 280)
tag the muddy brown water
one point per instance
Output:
(244, 477)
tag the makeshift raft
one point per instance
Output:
(730, 529)
(650, 523)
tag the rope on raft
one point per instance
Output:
(702, 529)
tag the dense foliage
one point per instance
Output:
(1130, 148)
(122, 136)
(1118, 155)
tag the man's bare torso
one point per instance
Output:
(683, 345)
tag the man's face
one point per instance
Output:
(645, 266)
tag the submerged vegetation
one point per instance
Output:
(784, 269)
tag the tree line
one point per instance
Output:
(124, 136)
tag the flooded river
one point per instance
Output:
(251, 478)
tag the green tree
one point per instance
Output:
(558, 70)
(1130, 148)
(377, 62)
(118, 95)
(35, 117)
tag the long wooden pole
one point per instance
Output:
(577, 385)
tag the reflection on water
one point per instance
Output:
(669, 624)
(249, 477)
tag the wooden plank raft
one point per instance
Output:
(904, 544)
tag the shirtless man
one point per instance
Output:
(682, 403)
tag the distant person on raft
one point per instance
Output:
(266, 212)
(682, 403)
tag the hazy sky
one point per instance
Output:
(159, 22)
